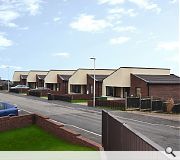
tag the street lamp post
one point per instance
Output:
(8, 77)
(94, 92)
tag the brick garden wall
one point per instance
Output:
(19, 90)
(165, 91)
(49, 125)
(69, 97)
(117, 104)
(7, 123)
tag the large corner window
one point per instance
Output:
(76, 88)
(109, 91)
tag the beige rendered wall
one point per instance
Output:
(16, 75)
(52, 75)
(32, 75)
(80, 76)
(121, 77)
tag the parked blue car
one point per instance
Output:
(7, 109)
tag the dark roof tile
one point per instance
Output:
(24, 76)
(41, 76)
(98, 77)
(160, 79)
(64, 77)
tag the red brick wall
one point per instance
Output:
(39, 82)
(98, 86)
(109, 103)
(7, 123)
(51, 126)
(63, 85)
(165, 91)
(138, 83)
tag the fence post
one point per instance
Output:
(140, 101)
(151, 102)
(125, 100)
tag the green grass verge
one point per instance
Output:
(111, 108)
(33, 138)
(25, 94)
(79, 101)
(44, 97)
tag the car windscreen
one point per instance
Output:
(2, 106)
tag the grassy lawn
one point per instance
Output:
(45, 97)
(25, 94)
(110, 108)
(33, 138)
(79, 101)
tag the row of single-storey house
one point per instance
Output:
(157, 82)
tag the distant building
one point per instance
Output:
(20, 77)
(35, 78)
(4, 84)
(57, 80)
(78, 81)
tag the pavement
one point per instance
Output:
(173, 117)
(87, 120)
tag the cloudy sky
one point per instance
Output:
(64, 34)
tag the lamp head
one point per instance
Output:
(93, 58)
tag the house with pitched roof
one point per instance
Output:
(32, 80)
(118, 83)
(78, 81)
(23, 79)
(20, 77)
(161, 86)
(57, 80)
(98, 84)
(62, 81)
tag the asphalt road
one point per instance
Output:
(87, 120)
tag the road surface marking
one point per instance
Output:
(70, 125)
(78, 128)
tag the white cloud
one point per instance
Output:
(173, 1)
(4, 42)
(56, 19)
(3, 66)
(147, 5)
(7, 17)
(62, 54)
(111, 2)
(122, 11)
(88, 23)
(115, 14)
(32, 6)
(24, 28)
(169, 46)
(119, 40)
(11, 10)
(125, 29)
